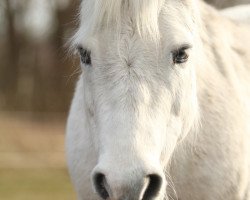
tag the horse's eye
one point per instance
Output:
(85, 56)
(180, 56)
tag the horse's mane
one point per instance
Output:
(98, 14)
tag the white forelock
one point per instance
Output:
(98, 14)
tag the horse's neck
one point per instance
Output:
(239, 13)
(225, 61)
(223, 76)
(223, 82)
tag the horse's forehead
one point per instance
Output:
(145, 15)
(129, 39)
(172, 24)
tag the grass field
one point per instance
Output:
(32, 158)
(35, 184)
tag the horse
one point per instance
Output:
(239, 13)
(161, 109)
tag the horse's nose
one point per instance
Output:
(140, 188)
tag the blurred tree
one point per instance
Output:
(33, 71)
(9, 75)
(55, 92)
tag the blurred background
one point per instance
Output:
(37, 78)
(227, 3)
(36, 85)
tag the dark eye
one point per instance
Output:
(85, 56)
(181, 55)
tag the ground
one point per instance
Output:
(32, 159)
(35, 184)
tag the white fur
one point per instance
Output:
(97, 14)
(135, 112)
(239, 13)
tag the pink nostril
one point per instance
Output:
(100, 185)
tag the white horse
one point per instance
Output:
(240, 13)
(162, 108)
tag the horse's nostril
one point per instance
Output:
(154, 186)
(100, 185)
(146, 188)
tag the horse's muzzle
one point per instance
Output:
(134, 187)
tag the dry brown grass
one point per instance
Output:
(31, 141)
